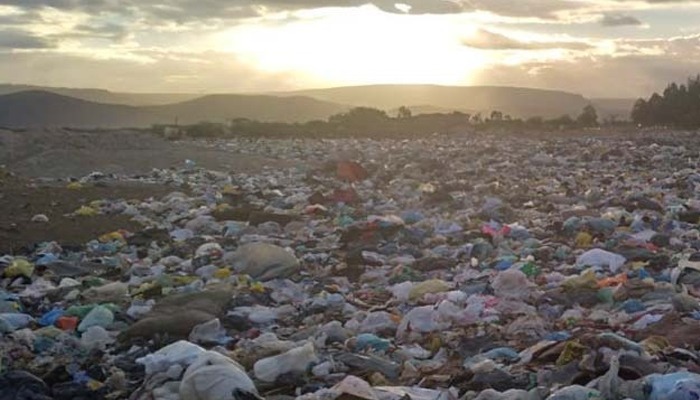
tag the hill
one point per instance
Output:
(518, 102)
(223, 107)
(45, 109)
(101, 108)
(40, 108)
(104, 96)
(620, 109)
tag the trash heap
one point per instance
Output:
(435, 269)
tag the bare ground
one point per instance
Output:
(59, 153)
(21, 200)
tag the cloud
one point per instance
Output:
(208, 72)
(650, 68)
(110, 31)
(18, 39)
(613, 20)
(547, 9)
(487, 40)
(184, 11)
(187, 10)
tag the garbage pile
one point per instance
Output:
(435, 269)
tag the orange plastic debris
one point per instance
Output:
(67, 323)
(613, 281)
(351, 171)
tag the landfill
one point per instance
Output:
(449, 267)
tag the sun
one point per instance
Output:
(342, 47)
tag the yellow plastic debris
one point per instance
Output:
(94, 384)
(230, 189)
(20, 267)
(111, 237)
(655, 344)
(434, 343)
(586, 280)
(183, 280)
(637, 265)
(257, 287)
(377, 379)
(86, 211)
(145, 287)
(573, 350)
(222, 273)
(583, 240)
(74, 185)
(222, 207)
(243, 280)
(429, 286)
(427, 188)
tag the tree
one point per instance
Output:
(640, 112)
(360, 116)
(361, 120)
(496, 116)
(535, 122)
(678, 106)
(588, 117)
(563, 122)
(404, 112)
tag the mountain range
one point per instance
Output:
(35, 106)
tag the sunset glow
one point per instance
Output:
(275, 45)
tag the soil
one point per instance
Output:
(20, 200)
(62, 153)
(42, 160)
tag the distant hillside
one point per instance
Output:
(41, 108)
(618, 108)
(46, 109)
(429, 109)
(104, 96)
(222, 107)
(519, 102)
(100, 108)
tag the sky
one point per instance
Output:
(599, 48)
